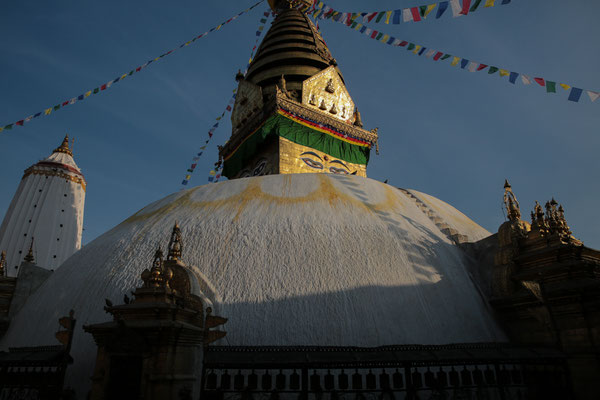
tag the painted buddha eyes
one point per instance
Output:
(312, 163)
(335, 170)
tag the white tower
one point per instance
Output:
(47, 206)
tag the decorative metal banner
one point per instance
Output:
(402, 15)
(470, 65)
(108, 84)
(215, 174)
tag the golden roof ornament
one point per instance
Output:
(3, 263)
(175, 244)
(157, 276)
(64, 147)
(29, 257)
(357, 119)
(330, 88)
(511, 203)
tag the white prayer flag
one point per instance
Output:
(456, 8)
(407, 15)
(473, 66)
(526, 80)
(430, 53)
(593, 95)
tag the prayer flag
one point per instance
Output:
(465, 7)
(103, 87)
(388, 15)
(380, 16)
(403, 43)
(202, 148)
(540, 81)
(56, 107)
(503, 72)
(391, 40)
(213, 172)
(1, 128)
(505, 1)
(455, 61)
(407, 15)
(422, 50)
(492, 70)
(437, 55)
(410, 46)
(565, 86)
(80, 97)
(422, 10)
(211, 178)
(8, 127)
(29, 118)
(489, 3)
(526, 80)
(481, 66)
(374, 34)
(575, 94)
(429, 9)
(385, 38)
(37, 115)
(184, 182)
(442, 7)
(73, 100)
(513, 77)
(464, 63)
(65, 103)
(228, 108)
(430, 53)
(550, 87)
(47, 111)
(363, 29)
(379, 35)
(446, 56)
(593, 95)
(417, 48)
(190, 170)
(19, 123)
(415, 14)
(473, 66)
(475, 5)
(456, 8)
(210, 134)
(88, 93)
(370, 16)
(188, 176)
(397, 14)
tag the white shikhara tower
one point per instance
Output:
(47, 207)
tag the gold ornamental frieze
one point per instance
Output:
(326, 92)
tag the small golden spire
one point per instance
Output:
(511, 203)
(357, 119)
(175, 244)
(64, 147)
(3, 263)
(29, 257)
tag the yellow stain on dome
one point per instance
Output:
(325, 192)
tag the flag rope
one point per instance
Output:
(472, 66)
(108, 84)
(214, 174)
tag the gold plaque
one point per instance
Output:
(326, 92)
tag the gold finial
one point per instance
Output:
(29, 257)
(239, 76)
(511, 203)
(64, 147)
(175, 244)
(3, 263)
(357, 119)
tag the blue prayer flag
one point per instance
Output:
(397, 14)
(505, 1)
(422, 50)
(184, 182)
(37, 115)
(363, 29)
(80, 97)
(512, 78)
(391, 40)
(463, 63)
(575, 94)
(442, 6)
(211, 178)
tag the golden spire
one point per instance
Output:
(64, 147)
(2, 263)
(29, 257)
(175, 244)
(511, 203)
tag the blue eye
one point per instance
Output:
(335, 170)
(312, 163)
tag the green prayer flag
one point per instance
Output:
(7, 127)
(354, 25)
(446, 56)
(96, 90)
(422, 10)
(550, 86)
(411, 46)
(474, 6)
(492, 70)
(380, 16)
(379, 36)
(56, 107)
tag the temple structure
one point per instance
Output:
(48, 207)
(332, 285)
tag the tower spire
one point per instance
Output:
(29, 257)
(64, 147)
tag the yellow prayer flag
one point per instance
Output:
(417, 48)
(385, 38)
(358, 26)
(123, 76)
(429, 9)
(504, 72)
(489, 3)
(47, 111)
(455, 61)
(212, 172)
(187, 177)
(388, 15)
(156, 58)
(219, 27)
(89, 92)
(565, 86)
(1, 128)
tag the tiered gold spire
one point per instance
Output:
(64, 147)
(175, 244)
(157, 276)
(29, 257)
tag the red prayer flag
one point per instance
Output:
(210, 134)
(370, 17)
(19, 123)
(101, 87)
(437, 55)
(139, 68)
(481, 66)
(540, 81)
(65, 103)
(416, 14)
(403, 43)
(466, 6)
(374, 34)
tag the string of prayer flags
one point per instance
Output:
(469, 65)
(108, 84)
(395, 17)
(228, 108)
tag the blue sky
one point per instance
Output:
(445, 131)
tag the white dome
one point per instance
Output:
(307, 259)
